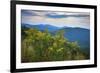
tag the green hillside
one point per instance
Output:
(38, 46)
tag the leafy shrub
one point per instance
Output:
(40, 46)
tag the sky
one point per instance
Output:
(56, 18)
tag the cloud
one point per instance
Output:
(59, 19)
(66, 14)
(28, 13)
(55, 16)
(52, 14)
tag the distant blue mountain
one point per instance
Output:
(42, 27)
(81, 35)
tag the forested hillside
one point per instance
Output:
(41, 46)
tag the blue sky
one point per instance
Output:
(59, 19)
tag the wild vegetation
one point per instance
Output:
(41, 46)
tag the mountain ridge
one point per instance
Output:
(81, 35)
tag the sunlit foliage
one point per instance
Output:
(40, 46)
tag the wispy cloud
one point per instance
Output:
(28, 13)
(52, 14)
(60, 19)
